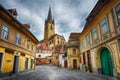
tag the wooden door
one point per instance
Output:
(16, 64)
(106, 62)
(74, 64)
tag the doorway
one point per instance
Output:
(1, 56)
(74, 64)
(106, 62)
(16, 64)
(31, 67)
(65, 63)
(26, 63)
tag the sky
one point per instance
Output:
(69, 15)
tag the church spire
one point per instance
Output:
(49, 18)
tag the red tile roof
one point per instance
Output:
(60, 49)
(26, 26)
(74, 37)
(43, 46)
(13, 12)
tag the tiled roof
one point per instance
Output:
(13, 12)
(73, 44)
(26, 26)
(43, 46)
(60, 49)
(74, 37)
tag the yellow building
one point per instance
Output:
(73, 51)
(100, 39)
(55, 40)
(17, 44)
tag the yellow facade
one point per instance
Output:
(56, 40)
(73, 56)
(13, 54)
(109, 40)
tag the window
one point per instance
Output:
(87, 39)
(95, 34)
(28, 43)
(82, 43)
(18, 39)
(74, 51)
(32, 47)
(4, 32)
(104, 26)
(39, 55)
(58, 42)
(51, 27)
(118, 12)
(84, 61)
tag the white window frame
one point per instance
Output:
(5, 32)
(18, 39)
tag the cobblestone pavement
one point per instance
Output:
(47, 72)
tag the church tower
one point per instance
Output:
(49, 28)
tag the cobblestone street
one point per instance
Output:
(47, 72)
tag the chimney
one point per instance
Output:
(27, 26)
(13, 12)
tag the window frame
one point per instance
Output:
(104, 26)
(82, 43)
(87, 39)
(95, 33)
(74, 51)
(18, 39)
(4, 32)
(28, 44)
(117, 12)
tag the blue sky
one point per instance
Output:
(69, 15)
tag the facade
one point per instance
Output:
(55, 55)
(58, 55)
(62, 57)
(43, 54)
(100, 39)
(73, 51)
(17, 44)
(55, 40)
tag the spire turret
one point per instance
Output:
(49, 18)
